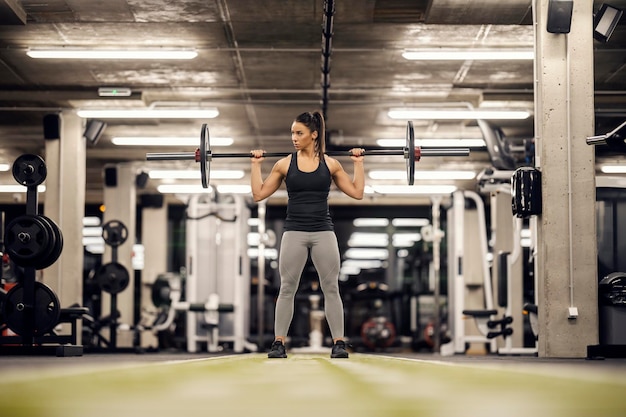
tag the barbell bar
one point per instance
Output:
(410, 152)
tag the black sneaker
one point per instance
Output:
(277, 350)
(339, 350)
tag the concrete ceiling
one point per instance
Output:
(259, 63)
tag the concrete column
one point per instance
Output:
(65, 205)
(120, 201)
(566, 250)
(154, 240)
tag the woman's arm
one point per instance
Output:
(352, 187)
(263, 189)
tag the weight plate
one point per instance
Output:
(410, 153)
(160, 293)
(56, 246)
(27, 239)
(112, 277)
(29, 170)
(205, 150)
(45, 310)
(114, 232)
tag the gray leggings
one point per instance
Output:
(294, 250)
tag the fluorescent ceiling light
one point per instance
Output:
(208, 113)
(254, 238)
(464, 55)
(368, 253)
(613, 169)
(362, 263)
(268, 253)
(405, 239)
(92, 231)
(359, 239)
(234, 189)
(92, 240)
(422, 175)
(159, 54)
(425, 114)
(435, 143)
(167, 141)
(96, 249)
(17, 188)
(410, 222)
(605, 21)
(91, 221)
(232, 174)
(5, 167)
(183, 189)
(368, 243)
(198, 189)
(348, 270)
(370, 222)
(411, 189)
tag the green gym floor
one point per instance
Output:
(189, 385)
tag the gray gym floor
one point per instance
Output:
(172, 384)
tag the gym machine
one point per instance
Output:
(218, 271)
(470, 292)
(112, 278)
(167, 296)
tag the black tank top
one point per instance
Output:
(307, 206)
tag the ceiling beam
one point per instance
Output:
(12, 13)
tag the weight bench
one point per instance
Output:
(71, 315)
(486, 324)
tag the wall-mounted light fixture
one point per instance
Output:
(605, 21)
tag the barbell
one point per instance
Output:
(410, 152)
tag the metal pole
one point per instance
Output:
(181, 156)
(436, 207)
(261, 275)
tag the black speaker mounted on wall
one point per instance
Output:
(560, 16)
(51, 126)
(94, 130)
(110, 176)
(142, 179)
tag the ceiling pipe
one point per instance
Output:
(327, 34)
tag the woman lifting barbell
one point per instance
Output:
(308, 227)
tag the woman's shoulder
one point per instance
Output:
(283, 163)
(332, 163)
